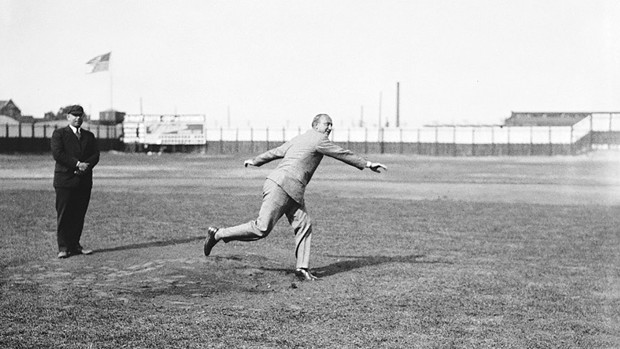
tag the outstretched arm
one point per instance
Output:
(269, 155)
(375, 166)
(337, 152)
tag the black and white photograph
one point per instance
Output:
(421, 174)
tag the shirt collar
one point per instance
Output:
(73, 128)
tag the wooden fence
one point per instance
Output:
(35, 138)
(596, 131)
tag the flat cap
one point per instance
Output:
(76, 110)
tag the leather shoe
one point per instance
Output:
(82, 251)
(305, 275)
(63, 254)
(210, 241)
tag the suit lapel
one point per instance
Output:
(74, 138)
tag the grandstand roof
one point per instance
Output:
(545, 118)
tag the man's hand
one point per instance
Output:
(83, 166)
(249, 162)
(376, 167)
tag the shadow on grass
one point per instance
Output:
(356, 262)
(150, 244)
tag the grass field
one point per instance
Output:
(434, 253)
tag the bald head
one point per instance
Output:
(322, 123)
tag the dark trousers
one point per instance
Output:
(71, 207)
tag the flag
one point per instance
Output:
(100, 63)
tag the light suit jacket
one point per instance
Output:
(300, 158)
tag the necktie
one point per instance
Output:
(78, 134)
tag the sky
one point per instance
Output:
(280, 62)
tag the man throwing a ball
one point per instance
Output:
(283, 190)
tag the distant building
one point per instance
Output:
(545, 118)
(8, 108)
(27, 119)
(4, 120)
(111, 117)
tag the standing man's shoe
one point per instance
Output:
(210, 241)
(63, 254)
(82, 251)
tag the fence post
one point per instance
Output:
(419, 145)
(591, 131)
(221, 140)
(492, 141)
(348, 138)
(572, 150)
(609, 134)
(508, 141)
(436, 140)
(550, 143)
(454, 140)
(20, 143)
(32, 141)
(251, 139)
(381, 143)
(473, 141)
(531, 140)
(237, 140)
(366, 141)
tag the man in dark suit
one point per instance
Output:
(76, 153)
(283, 191)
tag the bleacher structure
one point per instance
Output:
(164, 129)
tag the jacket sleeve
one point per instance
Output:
(93, 159)
(272, 154)
(59, 153)
(328, 148)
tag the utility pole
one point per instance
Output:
(380, 100)
(362, 116)
(398, 104)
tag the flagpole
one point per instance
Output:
(111, 94)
